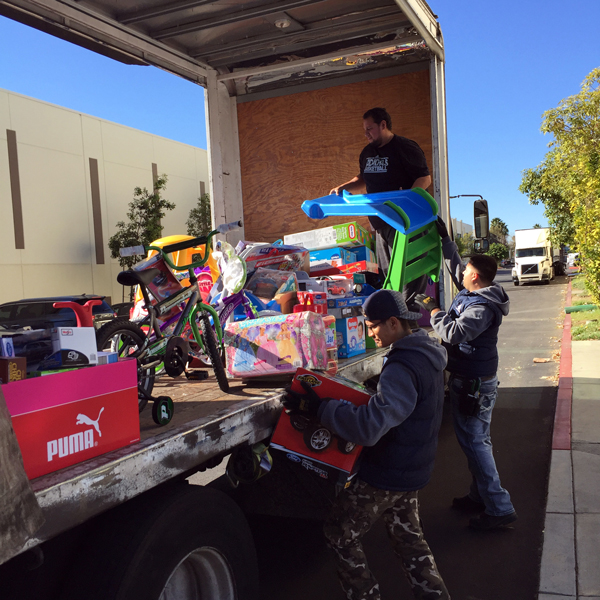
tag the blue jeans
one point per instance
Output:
(473, 435)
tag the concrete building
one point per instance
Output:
(459, 228)
(66, 179)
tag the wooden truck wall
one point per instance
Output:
(297, 147)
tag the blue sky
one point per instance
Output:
(506, 63)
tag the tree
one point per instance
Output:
(498, 251)
(199, 222)
(567, 182)
(499, 230)
(537, 226)
(542, 185)
(144, 225)
(465, 244)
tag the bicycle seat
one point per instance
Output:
(132, 277)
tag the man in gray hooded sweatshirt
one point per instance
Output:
(399, 429)
(469, 332)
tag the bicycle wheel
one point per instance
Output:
(209, 340)
(127, 338)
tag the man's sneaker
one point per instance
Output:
(467, 504)
(486, 522)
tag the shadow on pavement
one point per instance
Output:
(498, 565)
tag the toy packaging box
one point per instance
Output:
(363, 253)
(273, 256)
(164, 285)
(275, 345)
(347, 234)
(330, 257)
(7, 347)
(351, 334)
(74, 415)
(12, 368)
(267, 283)
(309, 444)
(362, 266)
(72, 347)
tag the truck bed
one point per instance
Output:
(207, 423)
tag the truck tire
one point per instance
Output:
(126, 338)
(186, 543)
(516, 281)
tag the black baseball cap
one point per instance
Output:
(384, 304)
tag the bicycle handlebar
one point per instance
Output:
(199, 241)
(202, 240)
(226, 227)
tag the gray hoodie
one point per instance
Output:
(394, 401)
(469, 330)
(400, 424)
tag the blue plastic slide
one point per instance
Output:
(404, 210)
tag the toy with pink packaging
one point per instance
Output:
(276, 345)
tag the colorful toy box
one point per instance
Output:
(351, 333)
(12, 368)
(162, 286)
(273, 256)
(309, 444)
(347, 234)
(343, 302)
(73, 416)
(275, 345)
(362, 266)
(330, 257)
(363, 253)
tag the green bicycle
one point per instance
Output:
(162, 342)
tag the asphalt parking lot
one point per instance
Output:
(498, 565)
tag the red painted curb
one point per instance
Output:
(561, 438)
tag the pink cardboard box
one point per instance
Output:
(276, 345)
(66, 418)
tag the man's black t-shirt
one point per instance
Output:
(394, 166)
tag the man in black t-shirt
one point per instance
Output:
(388, 163)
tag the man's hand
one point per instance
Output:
(426, 302)
(336, 191)
(441, 227)
(308, 403)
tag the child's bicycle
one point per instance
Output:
(156, 348)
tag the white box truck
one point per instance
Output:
(126, 525)
(534, 256)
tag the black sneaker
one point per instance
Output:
(486, 522)
(467, 504)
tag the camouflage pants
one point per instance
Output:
(354, 513)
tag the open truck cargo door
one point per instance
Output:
(253, 51)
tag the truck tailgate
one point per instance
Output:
(207, 423)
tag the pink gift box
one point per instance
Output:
(276, 345)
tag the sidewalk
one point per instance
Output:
(571, 551)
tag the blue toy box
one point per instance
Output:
(351, 334)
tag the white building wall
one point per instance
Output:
(54, 146)
(460, 228)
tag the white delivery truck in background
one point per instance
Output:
(535, 257)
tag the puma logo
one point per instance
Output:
(85, 420)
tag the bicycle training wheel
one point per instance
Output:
(209, 340)
(127, 338)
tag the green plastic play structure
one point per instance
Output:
(412, 213)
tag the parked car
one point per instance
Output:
(123, 309)
(39, 313)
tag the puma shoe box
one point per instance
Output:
(74, 415)
(311, 446)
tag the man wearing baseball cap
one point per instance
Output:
(399, 429)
